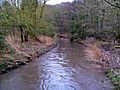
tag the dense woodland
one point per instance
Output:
(88, 18)
(23, 18)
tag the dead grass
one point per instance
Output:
(30, 48)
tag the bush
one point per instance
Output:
(3, 44)
(114, 78)
(2, 64)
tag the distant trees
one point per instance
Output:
(89, 18)
(116, 7)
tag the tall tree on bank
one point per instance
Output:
(28, 8)
(25, 15)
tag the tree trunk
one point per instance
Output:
(26, 36)
(22, 38)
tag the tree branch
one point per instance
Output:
(44, 3)
(112, 4)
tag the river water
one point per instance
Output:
(63, 68)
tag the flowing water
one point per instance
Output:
(63, 68)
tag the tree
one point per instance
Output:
(25, 15)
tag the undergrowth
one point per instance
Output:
(5, 49)
(115, 78)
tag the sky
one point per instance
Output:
(53, 2)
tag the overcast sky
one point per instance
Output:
(53, 2)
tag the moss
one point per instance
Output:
(115, 78)
(2, 64)
(117, 88)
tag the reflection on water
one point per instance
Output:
(63, 68)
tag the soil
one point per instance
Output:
(26, 52)
(105, 55)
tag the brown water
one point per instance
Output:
(63, 68)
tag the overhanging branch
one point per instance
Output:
(112, 4)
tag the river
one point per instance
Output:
(63, 68)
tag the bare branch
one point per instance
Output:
(112, 4)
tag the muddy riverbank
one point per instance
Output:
(111, 63)
(25, 53)
(105, 55)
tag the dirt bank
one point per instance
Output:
(107, 56)
(111, 63)
(25, 52)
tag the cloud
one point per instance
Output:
(53, 2)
